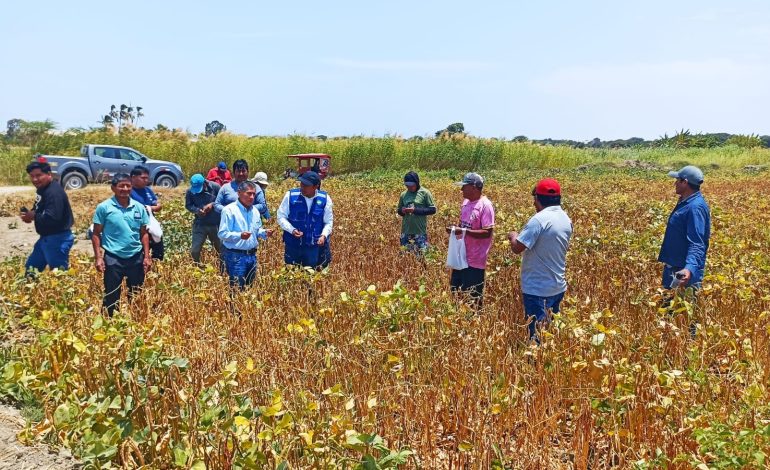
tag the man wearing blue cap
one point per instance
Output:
(686, 241)
(219, 174)
(305, 215)
(199, 200)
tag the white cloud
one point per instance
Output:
(409, 65)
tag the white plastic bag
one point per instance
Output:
(154, 228)
(455, 256)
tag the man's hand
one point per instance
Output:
(457, 230)
(147, 263)
(245, 235)
(28, 216)
(512, 236)
(268, 232)
(321, 240)
(99, 264)
(208, 207)
(684, 276)
(408, 210)
(297, 233)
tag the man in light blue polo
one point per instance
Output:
(686, 242)
(228, 194)
(543, 243)
(120, 229)
(239, 229)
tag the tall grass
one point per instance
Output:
(359, 154)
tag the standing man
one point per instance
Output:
(260, 178)
(239, 230)
(544, 242)
(199, 200)
(414, 206)
(305, 215)
(229, 192)
(144, 195)
(477, 220)
(120, 229)
(686, 241)
(219, 174)
(53, 219)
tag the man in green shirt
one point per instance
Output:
(414, 206)
(120, 231)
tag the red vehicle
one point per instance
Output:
(318, 162)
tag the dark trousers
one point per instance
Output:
(314, 256)
(116, 269)
(469, 281)
(157, 250)
(200, 233)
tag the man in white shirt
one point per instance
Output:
(305, 216)
(544, 242)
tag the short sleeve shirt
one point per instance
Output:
(121, 226)
(544, 262)
(477, 215)
(412, 224)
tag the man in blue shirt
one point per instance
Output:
(239, 230)
(144, 195)
(686, 241)
(120, 229)
(229, 192)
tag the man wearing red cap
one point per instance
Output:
(544, 242)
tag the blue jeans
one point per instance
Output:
(536, 309)
(415, 243)
(51, 250)
(241, 267)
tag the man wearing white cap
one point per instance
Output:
(260, 178)
(686, 241)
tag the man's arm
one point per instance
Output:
(218, 206)
(261, 203)
(283, 215)
(189, 204)
(696, 242)
(484, 232)
(144, 235)
(96, 243)
(328, 218)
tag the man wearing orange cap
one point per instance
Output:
(544, 242)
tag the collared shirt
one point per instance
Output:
(687, 236)
(476, 215)
(53, 213)
(196, 202)
(145, 196)
(544, 262)
(283, 214)
(236, 219)
(229, 194)
(121, 226)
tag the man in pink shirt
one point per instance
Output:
(477, 220)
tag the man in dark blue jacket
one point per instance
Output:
(306, 217)
(53, 220)
(686, 241)
(199, 200)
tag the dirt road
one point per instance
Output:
(14, 455)
(14, 189)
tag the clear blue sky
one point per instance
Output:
(561, 69)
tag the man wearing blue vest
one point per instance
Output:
(305, 216)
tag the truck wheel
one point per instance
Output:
(165, 181)
(74, 180)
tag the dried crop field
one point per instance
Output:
(386, 369)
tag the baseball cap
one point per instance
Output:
(471, 178)
(196, 183)
(692, 174)
(310, 178)
(547, 187)
(260, 177)
(222, 165)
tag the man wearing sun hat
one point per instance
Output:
(199, 200)
(543, 244)
(477, 220)
(688, 230)
(260, 178)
